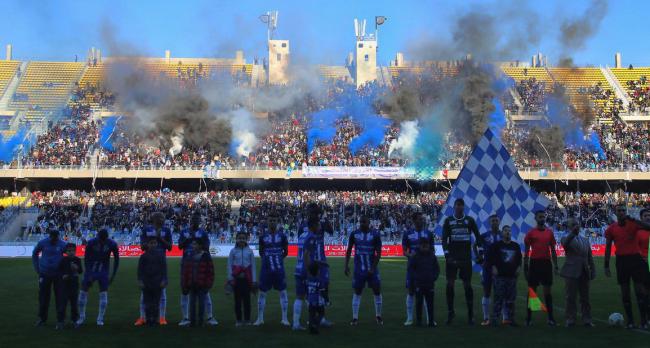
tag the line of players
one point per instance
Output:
(462, 244)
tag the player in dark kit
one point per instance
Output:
(367, 252)
(410, 246)
(307, 254)
(487, 278)
(457, 232)
(629, 263)
(538, 269)
(97, 262)
(163, 237)
(274, 248)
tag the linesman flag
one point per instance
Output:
(379, 20)
(534, 303)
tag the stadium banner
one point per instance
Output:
(358, 172)
(222, 250)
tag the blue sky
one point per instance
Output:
(320, 31)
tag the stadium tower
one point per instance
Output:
(365, 58)
(278, 51)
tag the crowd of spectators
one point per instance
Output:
(225, 213)
(283, 142)
(533, 95)
(639, 92)
(67, 142)
(94, 95)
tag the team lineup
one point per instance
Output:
(500, 258)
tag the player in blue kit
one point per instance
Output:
(487, 278)
(307, 254)
(274, 247)
(185, 244)
(325, 226)
(97, 263)
(367, 252)
(163, 236)
(410, 245)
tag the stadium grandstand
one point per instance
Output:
(231, 147)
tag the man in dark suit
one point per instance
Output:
(578, 271)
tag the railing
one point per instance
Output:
(644, 168)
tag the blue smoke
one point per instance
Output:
(8, 147)
(358, 106)
(428, 148)
(374, 130)
(559, 114)
(497, 119)
(594, 143)
(106, 135)
(322, 127)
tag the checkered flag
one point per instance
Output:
(490, 184)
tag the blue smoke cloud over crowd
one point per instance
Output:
(9, 146)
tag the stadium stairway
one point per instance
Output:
(616, 86)
(516, 98)
(21, 216)
(11, 88)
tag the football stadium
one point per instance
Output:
(324, 173)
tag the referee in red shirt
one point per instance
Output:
(629, 263)
(644, 235)
(540, 241)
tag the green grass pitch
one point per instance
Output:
(18, 296)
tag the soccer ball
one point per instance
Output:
(616, 319)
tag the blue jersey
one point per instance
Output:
(367, 246)
(272, 246)
(149, 232)
(307, 241)
(314, 289)
(50, 257)
(489, 239)
(98, 255)
(411, 240)
(186, 238)
(324, 227)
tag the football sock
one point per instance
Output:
(185, 306)
(261, 303)
(83, 301)
(142, 313)
(485, 302)
(284, 303)
(208, 306)
(297, 309)
(378, 304)
(163, 303)
(356, 301)
(409, 307)
(103, 303)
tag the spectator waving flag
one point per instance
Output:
(490, 184)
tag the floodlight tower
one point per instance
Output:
(278, 51)
(365, 59)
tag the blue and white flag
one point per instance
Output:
(490, 184)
